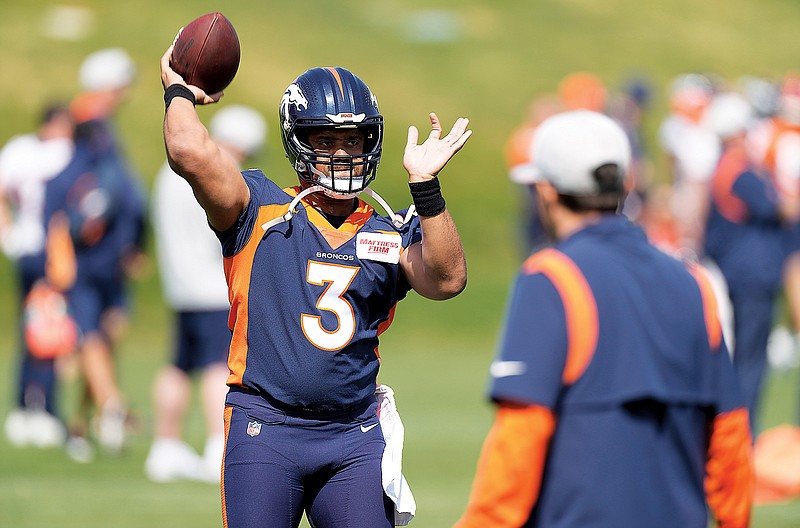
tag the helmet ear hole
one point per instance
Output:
(372, 138)
(301, 135)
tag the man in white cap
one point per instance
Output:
(190, 264)
(617, 404)
(105, 76)
(692, 151)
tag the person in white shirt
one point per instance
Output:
(693, 151)
(27, 163)
(190, 265)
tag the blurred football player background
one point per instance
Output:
(95, 215)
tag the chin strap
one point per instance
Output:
(397, 220)
(290, 212)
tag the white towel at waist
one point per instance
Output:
(394, 483)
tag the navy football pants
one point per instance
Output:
(277, 466)
(753, 319)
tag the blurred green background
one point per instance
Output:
(483, 59)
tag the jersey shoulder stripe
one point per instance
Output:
(579, 305)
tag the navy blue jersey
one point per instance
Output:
(308, 301)
(103, 201)
(744, 234)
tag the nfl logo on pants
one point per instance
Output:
(253, 428)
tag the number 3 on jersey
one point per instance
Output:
(338, 279)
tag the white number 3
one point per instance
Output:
(338, 279)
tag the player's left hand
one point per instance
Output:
(423, 162)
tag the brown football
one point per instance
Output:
(206, 52)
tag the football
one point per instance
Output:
(206, 52)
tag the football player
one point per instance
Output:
(314, 275)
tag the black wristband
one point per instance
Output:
(427, 196)
(177, 90)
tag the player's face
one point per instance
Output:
(331, 140)
(338, 142)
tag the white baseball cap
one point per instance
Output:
(728, 114)
(240, 127)
(107, 69)
(570, 146)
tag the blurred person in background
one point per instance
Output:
(745, 238)
(598, 378)
(762, 93)
(193, 281)
(657, 219)
(577, 90)
(517, 155)
(27, 163)
(692, 154)
(628, 107)
(95, 214)
(774, 144)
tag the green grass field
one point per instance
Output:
(485, 60)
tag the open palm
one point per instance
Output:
(424, 161)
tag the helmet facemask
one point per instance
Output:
(341, 175)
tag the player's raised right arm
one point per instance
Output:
(214, 176)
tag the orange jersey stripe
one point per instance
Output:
(713, 326)
(579, 306)
(61, 266)
(238, 271)
(730, 206)
(509, 474)
(382, 327)
(730, 477)
(227, 427)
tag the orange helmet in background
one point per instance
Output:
(583, 91)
